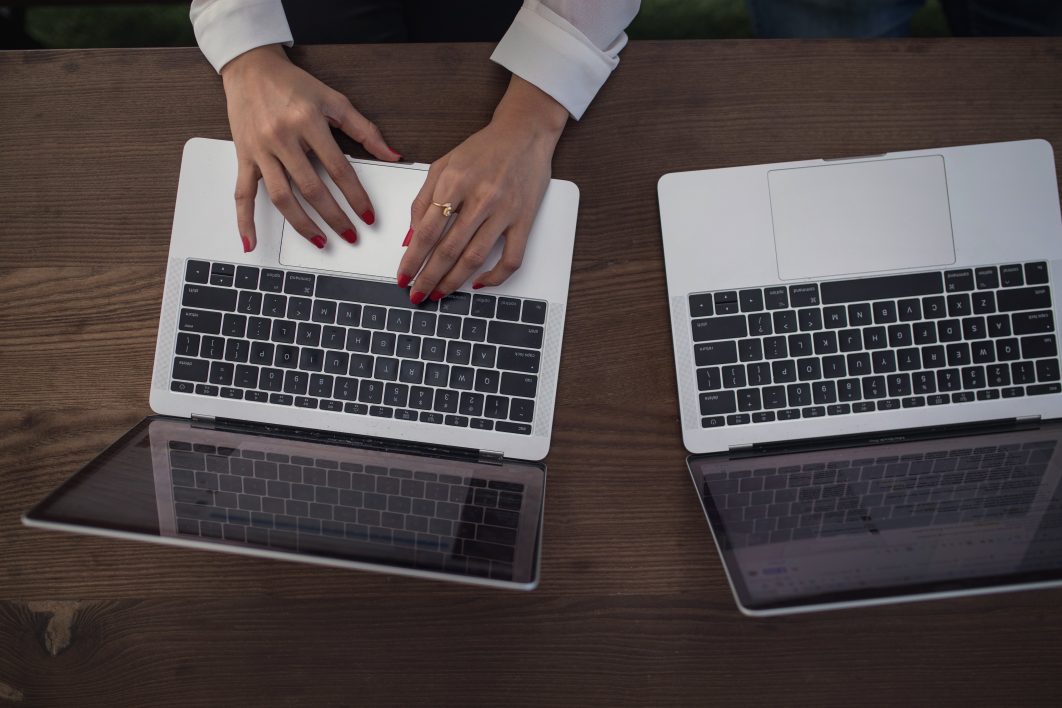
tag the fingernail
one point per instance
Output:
(417, 297)
(393, 151)
(350, 236)
(246, 244)
(403, 280)
(477, 285)
(409, 235)
(318, 241)
(436, 295)
(368, 217)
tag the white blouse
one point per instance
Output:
(567, 48)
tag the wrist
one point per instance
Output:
(253, 60)
(530, 107)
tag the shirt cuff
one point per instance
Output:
(225, 30)
(546, 50)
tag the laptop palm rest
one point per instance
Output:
(861, 217)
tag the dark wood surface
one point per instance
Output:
(633, 606)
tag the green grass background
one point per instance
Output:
(149, 24)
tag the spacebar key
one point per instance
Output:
(709, 329)
(882, 288)
(361, 291)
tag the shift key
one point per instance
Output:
(707, 329)
(523, 360)
(515, 334)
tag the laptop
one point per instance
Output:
(306, 410)
(843, 331)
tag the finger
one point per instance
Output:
(421, 238)
(473, 256)
(246, 190)
(447, 252)
(422, 201)
(512, 257)
(345, 117)
(284, 200)
(342, 173)
(314, 191)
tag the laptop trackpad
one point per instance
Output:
(861, 217)
(378, 250)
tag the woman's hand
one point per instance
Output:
(278, 113)
(495, 181)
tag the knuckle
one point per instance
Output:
(473, 257)
(449, 250)
(281, 198)
(312, 190)
(510, 263)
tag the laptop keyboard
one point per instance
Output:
(874, 344)
(288, 338)
(778, 504)
(422, 519)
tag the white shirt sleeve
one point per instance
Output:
(567, 48)
(225, 29)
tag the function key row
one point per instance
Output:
(864, 289)
(268, 280)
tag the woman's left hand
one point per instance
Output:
(495, 181)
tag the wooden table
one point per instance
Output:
(633, 605)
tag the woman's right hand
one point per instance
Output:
(278, 113)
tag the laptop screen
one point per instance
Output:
(889, 521)
(171, 482)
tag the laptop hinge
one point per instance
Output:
(328, 437)
(202, 421)
(491, 457)
(885, 436)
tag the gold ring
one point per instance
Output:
(447, 208)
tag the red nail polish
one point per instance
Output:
(477, 285)
(246, 244)
(318, 241)
(417, 297)
(436, 295)
(392, 150)
(409, 235)
(368, 217)
(350, 236)
(403, 280)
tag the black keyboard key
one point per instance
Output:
(515, 335)
(523, 385)
(833, 367)
(750, 300)
(1040, 390)
(212, 348)
(274, 305)
(523, 360)
(860, 314)
(909, 310)
(197, 272)
(875, 338)
(701, 305)
(760, 324)
(900, 335)
(234, 325)
(949, 331)
(311, 359)
(1036, 273)
(246, 277)
(884, 312)
(924, 333)
(386, 369)
(750, 350)
(783, 371)
(1011, 276)
(396, 395)
(270, 379)
(437, 375)
(973, 328)
(839, 409)
(190, 369)
(534, 312)
(799, 395)
(486, 381)
(924, 382)
(712, 328)
(206, 390)
(521, 410)
(889, 404)
(718, 403)
(373, 317)
(997, 375)
(249, 303)
(715, 353)
(773, 347)
(508, 309)
(233, 393)
(973, 377)
(986, 278)
(299, 284)
(187, 344)
(859, 364)
(271, 281)
(321, 386)
(1023, 372)
(483, 306)
(874, 387)
(206, 297)
(958, 305)
(803, 295)
(899, 385)
(734, 376)
(880, 288)
(759, 374)
(456, 303)
(773, 397)
(200, 321)
(726, 303)
(738, 419)
(958, 354)
(283, 331)
(296, 382)
(810, 319)
(308, 334)
(324, 311)
(809, 369)
(958, 280)
(824, 392)
(1023, 299)
(237, 350)
(286, 356)
(883, 361)
(1038, 346)
(411, 372)
(1047, 370)
(949, 380)
(495, 407)
(784, 321)
(709, 378)
(776, 298)
(449, 326)
(984, 303)
(1007, 349)
(462, 378)
(850, 340)
(934, 308)
(370, 391)
(1033, 322)
(423, 323)
(383, 343)
(420, 397)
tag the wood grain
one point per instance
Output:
(633, 607)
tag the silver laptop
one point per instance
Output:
(309, 410)
(845, 304)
